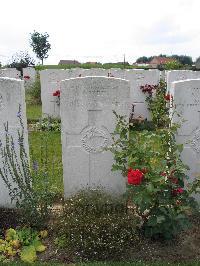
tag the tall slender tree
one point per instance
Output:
(40, 44)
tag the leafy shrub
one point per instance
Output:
(173, 65)
(158, 103)
(156, 177)
(24, 243)
(34, 92)
(95, 226)
(48, 124)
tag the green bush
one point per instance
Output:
(95, 226)
(156, 178)
(158, 103)
(48, 124)
(34, 92)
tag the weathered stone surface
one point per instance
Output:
(12, 95)
(176, 75)
(136, 77)
(87, 123)
(50, 82)
(31, 73)
(186, 96)
(10, 73)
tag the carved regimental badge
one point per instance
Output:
(195, 142)
(94, 139)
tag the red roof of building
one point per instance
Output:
(161, 60)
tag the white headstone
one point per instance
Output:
(29, 76)
(50, 82)
(12, 95)
(94, 72)
(138, 78)
(186, 96)
(176, 75)
(10, 73)
(87, 123)
(163, 74)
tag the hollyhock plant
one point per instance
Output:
(135, 177)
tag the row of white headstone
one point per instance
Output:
(87, 119)
(29, 75)
(51, 82)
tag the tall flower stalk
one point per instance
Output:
(34, 205)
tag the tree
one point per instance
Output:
(142, 59)
(21, 60)
(174, 65)
(183, 59)
(40, 44)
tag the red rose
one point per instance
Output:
(135, 177)
(168, 97)
(57, 93)
(177, 191)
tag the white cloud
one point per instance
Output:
(102, 30)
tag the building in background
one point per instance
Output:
(159, 61)
(69, 62)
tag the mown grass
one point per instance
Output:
(33, 112)
(45, 151)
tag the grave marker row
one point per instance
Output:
(50, 82)
(87, 105)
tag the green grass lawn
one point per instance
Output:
(45, 150)
(33, 112)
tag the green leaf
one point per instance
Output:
(150, 188)
(180, 147)
(160, 219)
(39, 246)
(28, 254)
(152, 221)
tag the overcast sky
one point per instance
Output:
(101, 30)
